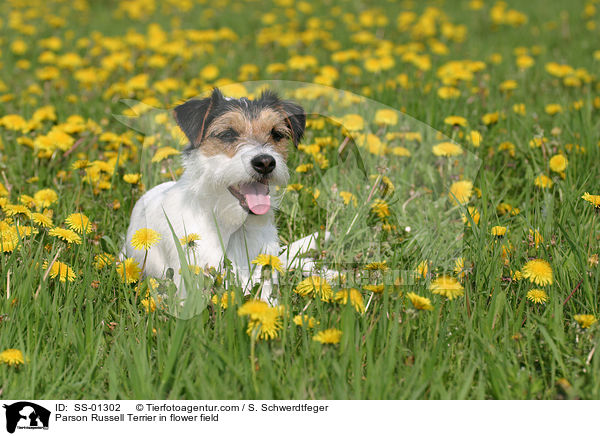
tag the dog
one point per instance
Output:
(236, 156)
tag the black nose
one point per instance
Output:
(263, 163)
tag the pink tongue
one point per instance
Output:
(257, 198)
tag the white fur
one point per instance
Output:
(200, 203)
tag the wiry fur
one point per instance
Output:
(200, 201)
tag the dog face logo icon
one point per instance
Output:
(26, 415)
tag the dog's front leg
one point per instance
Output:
(257, 236)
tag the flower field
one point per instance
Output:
(451, 152)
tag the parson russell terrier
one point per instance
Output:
(236, 156)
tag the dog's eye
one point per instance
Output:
(277, 135)
(227, 135)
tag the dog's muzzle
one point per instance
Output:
(253, 197)
(263, 164)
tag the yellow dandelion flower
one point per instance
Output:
(519, 108)
(80, 164)
(447, 286)
(558, 163)
(356, 299)
(209, 72)
(149, 304)
(377, 266)
(144, 238)
(508, 85)
(27, 200)
(79, 222)
(461, 191)
(164, 153)
(197, 270)
(60, 270)
(594, 200)
(553, 109)
(524, 61)
(498, 231)
(543, 181)
(132, 178)
(329, 336)
(315, 286)
(66, 235)
(504, 208)
(26, 230)
(380, 208)
(189, 240)
(268, 260)
(45, 197)
(507, 249)
(13, 210)
(14, 122)
(303, 168)
(9, 240)
(508, 146)
(420, 303)
(448, 92)
(295, 187)
(538, 271)
(400, 151)
(585, 321)
(536, 237)
(378, 289)
(517, 275)
(129, 270)
(455, 121)
(12, 357)
(490, 118)
(387, 117)
(459, 267)
(538, 296)
(447, 149)
(348, 197)
(265, 321)
(353, 122)
(473, 213)
(224, 299)
(102, 260)
(475, 138)
(42, 220)
(422, 269)
(305, 320)
(253, 308)
(267, 326)
(385, 184)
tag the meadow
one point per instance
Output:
(452, 149)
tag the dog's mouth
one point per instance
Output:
(253, 197)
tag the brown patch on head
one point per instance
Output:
(213, 144)
(237, 127)
(218, 125)
(271, 127)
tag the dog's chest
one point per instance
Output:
(250, 240)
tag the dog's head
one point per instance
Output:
(241, 145)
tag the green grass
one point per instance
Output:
(92, 338)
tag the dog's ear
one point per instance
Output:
(295, 118)
(194, 116)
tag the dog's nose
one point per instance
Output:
(263, 163)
